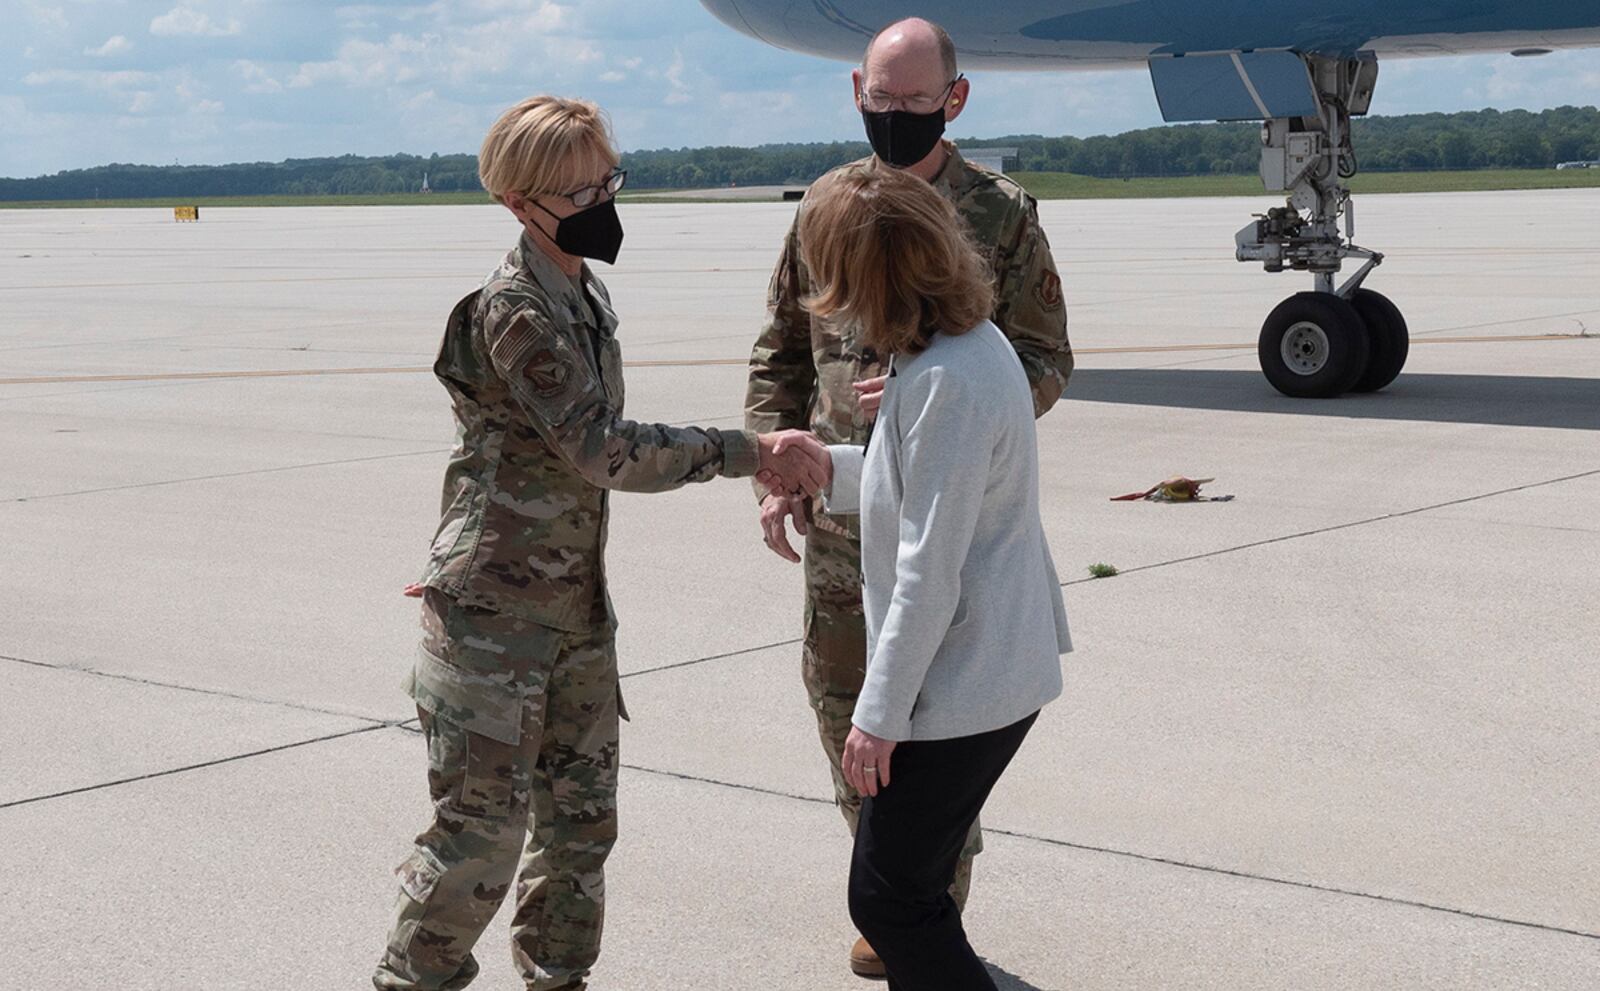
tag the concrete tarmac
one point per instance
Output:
(1340, 732)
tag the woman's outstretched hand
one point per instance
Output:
(866, 761)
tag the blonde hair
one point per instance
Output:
(888, 252)
(545, 144)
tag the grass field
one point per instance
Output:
(1044, 185)
(168, 202)
(1065, 186)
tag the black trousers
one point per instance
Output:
(907, 845)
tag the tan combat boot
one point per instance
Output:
(865, 962)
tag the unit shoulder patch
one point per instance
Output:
(1048, 291)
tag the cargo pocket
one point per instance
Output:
(477, 703)
(419, 875)
(477, 767)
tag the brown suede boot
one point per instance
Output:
(865, 962)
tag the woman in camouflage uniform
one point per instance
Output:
(516, 679)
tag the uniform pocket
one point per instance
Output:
(482, 704)
(419, 876)
(471, 774)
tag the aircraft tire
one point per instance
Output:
(1314, 346)
(1388, 335)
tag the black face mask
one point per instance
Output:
(595, 232)
(901, 137)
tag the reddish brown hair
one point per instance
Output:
(888, 252)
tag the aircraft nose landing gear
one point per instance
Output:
(1331, 341)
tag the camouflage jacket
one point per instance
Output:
(534, 372)
(801, 369)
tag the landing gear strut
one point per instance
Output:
(1334, 340)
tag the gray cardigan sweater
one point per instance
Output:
(965, 623)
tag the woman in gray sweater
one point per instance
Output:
(965, 624)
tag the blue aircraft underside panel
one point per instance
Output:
(1049, 34)
(1341, 28)
(1249, 86)
(1202, 87)
(1283, 81)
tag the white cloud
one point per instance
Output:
(256, 78)
(613, 76)
(680, 92)
(549, 15)
(366, 63)
(757, 102)
(142, 101)
(93, 79)
(188, 21)
(191, 99)
(115, 45)
(452, 47)
(48, 15)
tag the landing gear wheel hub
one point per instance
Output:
(1305, 348)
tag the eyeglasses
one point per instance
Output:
(589, 195)
(878, 102)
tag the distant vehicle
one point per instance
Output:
(1303, 68)
(1579, 165)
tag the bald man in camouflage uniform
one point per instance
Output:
(804, 373)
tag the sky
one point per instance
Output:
(90, 82)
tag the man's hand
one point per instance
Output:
(866, 761)
(413, 591)
(869, 393)
(775, 508)
(794, 461)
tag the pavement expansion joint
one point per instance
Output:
(1571, 315)
(1181, 560)
(214, 692)
(719, 783)
(1334, 528)
(1288, 882)
(195, 767)
(1153, 859)
(714, 657)
(231, 474)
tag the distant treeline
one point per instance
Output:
(1487, 139)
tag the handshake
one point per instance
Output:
(794, 466)
(794, 463)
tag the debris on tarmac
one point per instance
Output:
(1177, 489)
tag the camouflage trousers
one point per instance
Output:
(834, 665)
(521, 726)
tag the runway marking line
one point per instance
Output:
(683, 362)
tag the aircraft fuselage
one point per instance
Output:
(1102, 34)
